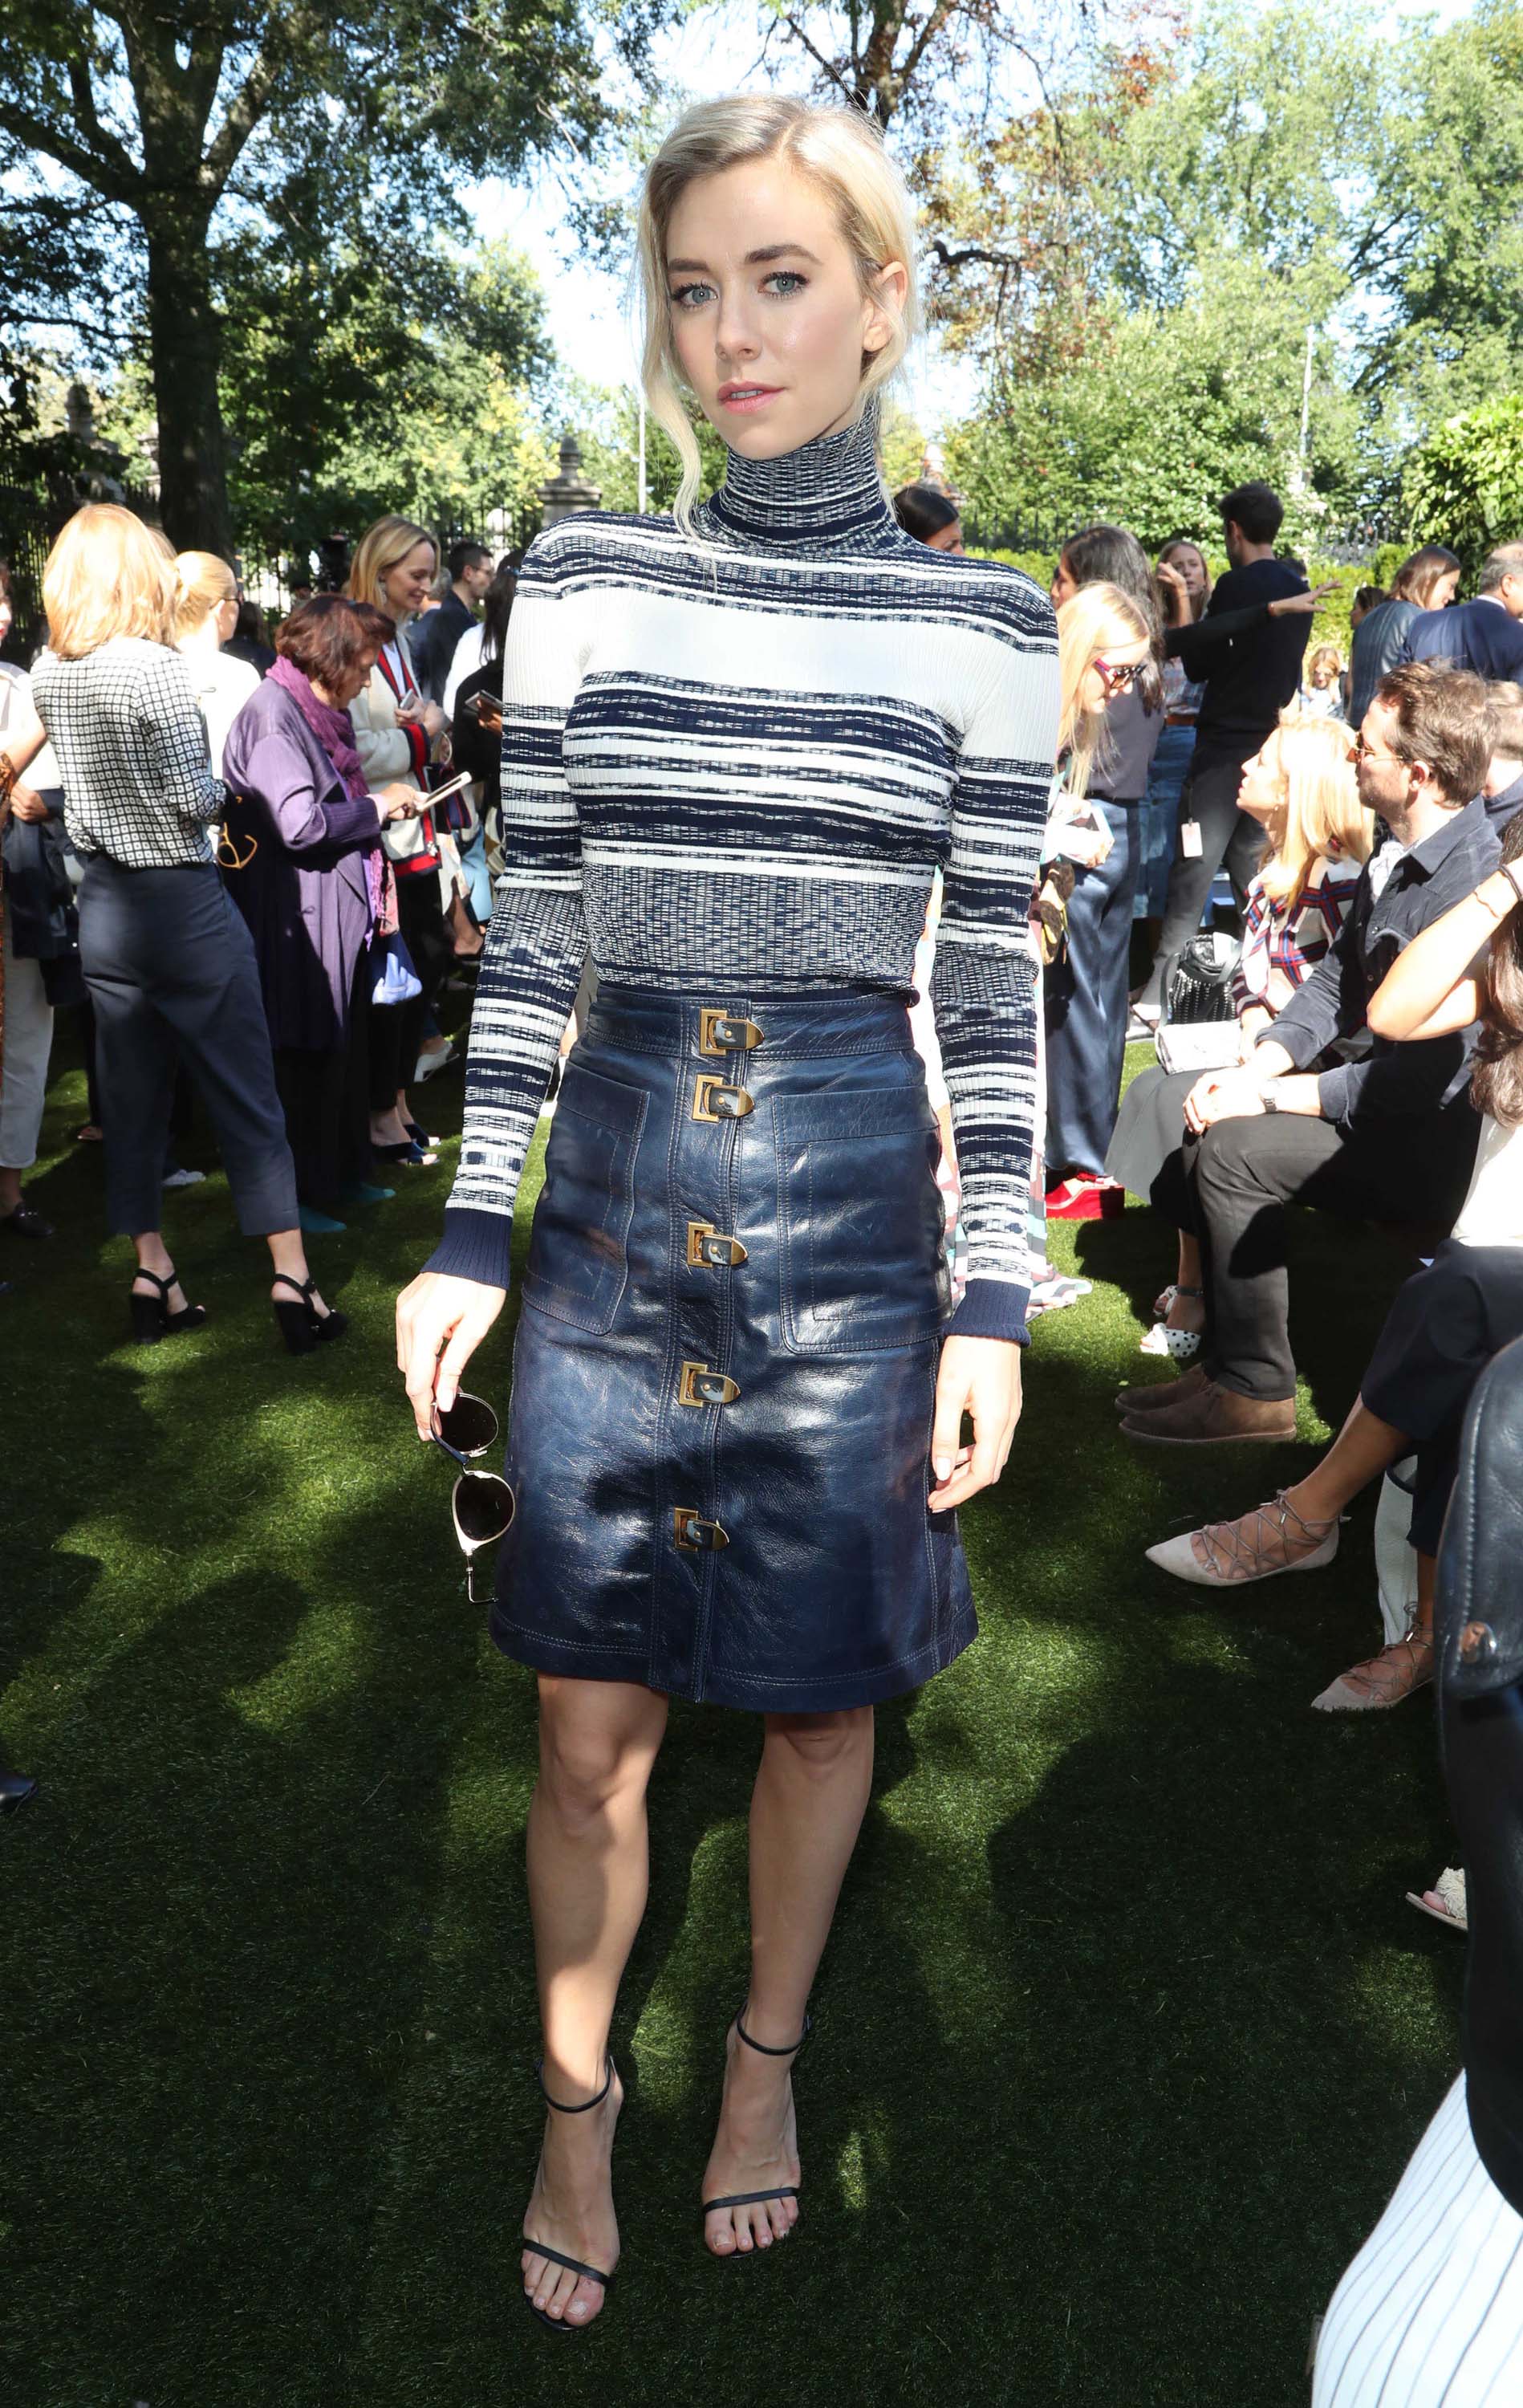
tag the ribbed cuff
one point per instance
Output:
(1333, 1092)
(990, 1308)
(476, 1245)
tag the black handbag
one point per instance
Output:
(1200, 986)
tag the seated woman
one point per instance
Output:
(305, 864)
(1446, 1323)
(1302, 789)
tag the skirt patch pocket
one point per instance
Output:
(578, 1260)
(862, 1221)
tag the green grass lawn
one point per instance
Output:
(1123, 2036)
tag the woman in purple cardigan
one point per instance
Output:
(303, 859)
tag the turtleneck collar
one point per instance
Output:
(827, 495)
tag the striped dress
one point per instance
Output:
(745, 756)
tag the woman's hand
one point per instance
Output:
(979, 1377)
(440, 1321)
(1222, 1095)
(26, 803)
(399, 801)
(1176, 594)
(1302, 602)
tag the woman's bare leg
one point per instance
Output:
(1188, 1311)
(1365, 1450)
(588, 1872)
(806, 1810)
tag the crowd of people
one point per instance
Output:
(252, 880)
(254, 871)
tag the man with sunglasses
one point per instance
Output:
(1390, 1134)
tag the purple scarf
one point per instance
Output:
(335, 731)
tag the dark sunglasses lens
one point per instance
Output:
(483, 1507)
(470, 1425)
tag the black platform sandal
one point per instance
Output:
(540, 2248)
(785, 2190)
(302, 1325)
(151, 1318)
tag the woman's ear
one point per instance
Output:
(885, 310)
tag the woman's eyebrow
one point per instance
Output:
(752, 259)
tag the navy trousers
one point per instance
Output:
(170, 966)
(1086, 1006)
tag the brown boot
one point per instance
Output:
(1133, 1403)
(1215, 1416)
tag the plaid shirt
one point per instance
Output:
(132, 747)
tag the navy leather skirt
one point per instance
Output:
(724, 1376)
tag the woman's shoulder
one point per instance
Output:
(993, 595)
(592, 539)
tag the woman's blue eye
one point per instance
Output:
(683, 295)
(788, 276)
(693, 297)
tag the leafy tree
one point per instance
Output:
(185, 122)
(1464, 486)
(1167, 411)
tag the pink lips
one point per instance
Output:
(751, 401)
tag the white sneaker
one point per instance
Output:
(429, 1063)
(183, 1178)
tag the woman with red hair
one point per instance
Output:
(303, 858)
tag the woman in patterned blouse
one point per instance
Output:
(1303, 792)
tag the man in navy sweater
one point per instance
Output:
(1485, 634)
(1249, 680)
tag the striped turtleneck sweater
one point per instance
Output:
(736, 763)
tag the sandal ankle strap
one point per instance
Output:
(584, 2106)
(303, 1287)
(163, 1285)
(760, 2046)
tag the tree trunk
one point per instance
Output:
(185, 336)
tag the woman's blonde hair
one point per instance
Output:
(1323, 813)
(108, 574)
(378, 553)
(842, 155)
(1090, 621)
(1321, 652)
(203, 581)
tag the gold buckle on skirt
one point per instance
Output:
(700, 1385)
(712, 1100)
(722, 1032)
(695, 1536)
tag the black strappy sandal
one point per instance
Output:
(786, 2190)
(302, 1325)
(151, 1318)
(540, 2248)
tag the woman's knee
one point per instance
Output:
(820, 1744)
(591, 1758)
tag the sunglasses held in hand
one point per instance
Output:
(482, 1501)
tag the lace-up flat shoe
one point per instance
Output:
(1255, 1547)
(1132, 1403)
(1212, 1415)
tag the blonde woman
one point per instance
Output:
(205, 614)
(397, 734)
(738, 741)
(1112, 716)
(166, 958)
(1321, 695)
(1302, 789)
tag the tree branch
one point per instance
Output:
(38, 135)
(81, 326)
(114, 152)
(820, 60)
(252, 99)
